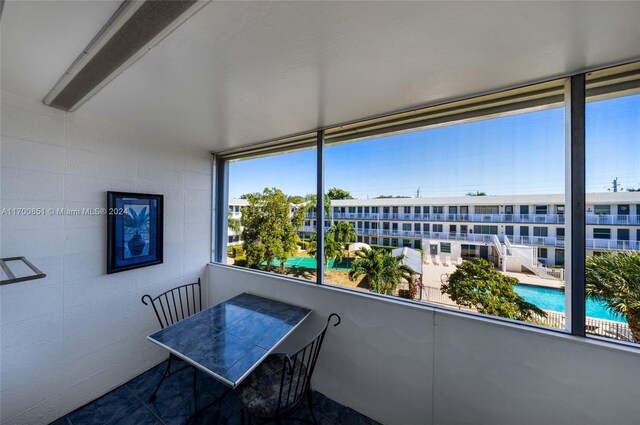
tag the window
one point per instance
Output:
(612, 149)
(283, 197)
(518, 136)
(599, 233)
(487, 209)
(540, 231)
(485, 230)
(541, 209)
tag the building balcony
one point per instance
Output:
(467, 218)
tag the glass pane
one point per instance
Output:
(474, 190)
(271, 212)
(613, 203)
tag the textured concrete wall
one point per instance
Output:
(78, 333)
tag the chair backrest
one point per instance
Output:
(298, 369)
(176, 304)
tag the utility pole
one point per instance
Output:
(614, 183)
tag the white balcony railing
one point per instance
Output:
(593, 219)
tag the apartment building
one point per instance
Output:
(502, 229)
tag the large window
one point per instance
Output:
(461, 163)
(272, 213)
(612, 150)
(394, 184)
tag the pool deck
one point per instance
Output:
(431, 277)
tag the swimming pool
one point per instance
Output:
(553, 299)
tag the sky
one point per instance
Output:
(511, 155)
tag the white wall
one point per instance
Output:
(78, 333)
(401, 364)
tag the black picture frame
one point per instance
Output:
(134, 230)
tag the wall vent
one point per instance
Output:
(130, 33)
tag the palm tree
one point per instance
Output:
(332, 248)
(615, 279)
(344, 232)
(381, 271)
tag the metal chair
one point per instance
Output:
(171, 307)
(279, 385)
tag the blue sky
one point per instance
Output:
(519, 154)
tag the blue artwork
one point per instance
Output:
(134, 230)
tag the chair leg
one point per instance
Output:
(310, 406)
(166, 373)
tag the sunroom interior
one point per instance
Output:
(228, 103)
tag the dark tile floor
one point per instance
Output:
(130, 405)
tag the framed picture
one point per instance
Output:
(134, 230)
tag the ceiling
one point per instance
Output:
(240, 72)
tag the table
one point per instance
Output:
(230, 339)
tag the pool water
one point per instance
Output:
(553, 299)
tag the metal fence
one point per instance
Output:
(554, 319)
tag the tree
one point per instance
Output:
(332, 248)
(615, 279)
(476, 283)
(311, 201)
(296, 199)
(382, 272)
(335, 193)
(269, 228)
(477, 193)
(344, 232)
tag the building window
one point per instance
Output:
(406, 242)
(487, 209)
(508, 230)
(541, 231)
(437, 228)
(438, 210)
(599, 233)
(406, 227)
(541, 209)
(485, 230)
(445, 248)
(602, 209)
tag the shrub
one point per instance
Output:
(240, 261)
(410, 293)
